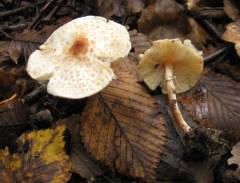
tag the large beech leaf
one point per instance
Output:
(214, 102)
(122, 126)
(44, 160)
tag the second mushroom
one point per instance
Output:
(175, 67)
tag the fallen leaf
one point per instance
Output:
(165, 19)
(13, 120)
(44, 161)
(139, 43)
(13, 112)
(119, 8)
(26, 42)
(231, 10)
(82, 164)
(7, 81)
(235, 159)
(232, 35)
(123, 127)
(4, 55)
(214, 103)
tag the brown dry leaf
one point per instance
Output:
(26, 42)
(8, 78)
(165, 19)
(235, 159)
(13, 120)
(231, 10)
(214, 103)
(123, 127)
(162, 12)
(4, 55)
(232, 34)
(14, 50)
(139, 43)
(13, 112)
(119, 8)
(44, 161)
(82, 164)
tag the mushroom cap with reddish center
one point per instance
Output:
(184, 59)
(76, 57)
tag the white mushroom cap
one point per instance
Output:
(184, 58)
(78, 54)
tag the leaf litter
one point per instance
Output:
(124, 126)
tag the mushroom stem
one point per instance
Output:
(172, 99)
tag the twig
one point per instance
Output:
(17, 10)
(216, 12)
(34, 94)
(54, 10)
(16, 27)
(8, 36)
(210, 58)
(40, 14)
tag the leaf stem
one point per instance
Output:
(172, 99)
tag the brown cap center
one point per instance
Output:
(79, 47)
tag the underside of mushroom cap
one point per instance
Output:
(184, 58)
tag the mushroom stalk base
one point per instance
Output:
(172, 98)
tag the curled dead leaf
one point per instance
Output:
(139, 42)
(165, 19)
(232, 35)
(44, 160)
(231, 10)
(214, 103)
(122, 126)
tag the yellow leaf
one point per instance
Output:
(44, 161)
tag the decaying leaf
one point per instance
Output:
(235, 159)
(123, 127)
(214, 103)
(13, 112)
(139, 43)
(119, 8)
(165, 19)
(14, 51)
(232, 34)
(26, 42)
(82, 164)
(44, 161)
(13, 120)
(231, 10)
(160, 13)
(198, 5)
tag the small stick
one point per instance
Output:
(52, 13)
(34, 94)
(216, 12)
(210, 58)
(8, 36)
(40, 14)
(17, 10)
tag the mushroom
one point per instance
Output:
(176, 67)
(76, 58)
